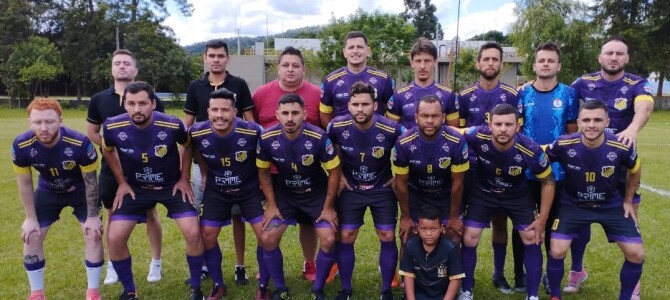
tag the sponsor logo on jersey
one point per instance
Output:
(473, 97)
(389, 104)
(90, 152)
(373, 80)
(485, 148)
(408, 95)
(345, 134)
(275, 145)
(572, 153)
(543, 160)
(162, 135)
(503, 97)
(339, 82)
(611, 156)
(412, 148)
(160, 150)
(624, 90)
(308, 145)
(445, 147)
(205, 143)
(33, 152)
(591, 86)
(122, 136)
(518, 158)
(380, 137)
(329, 147)
(648, 87)
(242, 142)
(68, 151)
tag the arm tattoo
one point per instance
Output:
(30, 259)
(92, 202)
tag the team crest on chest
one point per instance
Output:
(205, 143)
(307, 160)
(377, 152)
(241, 156)
(162, 135)
(572, 153)
(345, 134)
(275, 145)
(620, 103)
(160, 150)
(380, 137)
(442, 271)
(33, 152)
(68, 151)
(515, 170)
(122, 136)
(241, 142)
(611, 156)
(607, 171)
(444, 162)
(557, 103)
(308, 145)
(69, 164)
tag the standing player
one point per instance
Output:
(301, 152)
(291, 73)
(216, 58)
(141, 149)
(103, 105)
(474, 106)
(549, 110)
(503, 156)
(592, 160)
(364, 141)
(225, 147)
(66, 161)
(402, 106)
(629, 104)
(336, 85)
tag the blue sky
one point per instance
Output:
(214, 19)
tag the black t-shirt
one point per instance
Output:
(197, 95)
(108, 103)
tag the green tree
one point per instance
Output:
(421, 14)
(15, 27)
(492, 35)
(36, 61)
(464, 70)
(564, 22)
(659, 22)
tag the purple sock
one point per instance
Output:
(324, 262)
(388, 259)
(629, 276)
(264, 276)
(533, 263)
(469, 258)
(213, 260)
(346, 260)
(194, 269)
(124, 269)
(274, 262)
(499, 253)
(578, 248)
(555, 272)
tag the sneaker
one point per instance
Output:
(333, 272)
(37, 295)
(636, 292)
(574, 280)
(128, 296)
(545, 284)
(318, 295)
(309, 270)
(111, 277)
(93, 294)
(520, 283)
(466, 296)
(154, 273)
(343, 295)
(262, 293)
(241, 277)
(280, 294)
(386, 295)
(501, 284)
(204, 275)
(217, 292)
(196, 294)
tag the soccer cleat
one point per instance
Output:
(128, 296)
(154, 273)
(343, 295)
(636, 292)
(262, 293)
(318, 295)
(217, 292)
(575, 279)
(501, 284)
(93, 294)
(466, 295)
(204, 275)
(395, 283)
(37, 295)
(386, 295)
(241, 277)
(520, 283)
(309, 270)
(196, 294)
(333, 272)
(111, 277)
(545, 284)
(280, 294)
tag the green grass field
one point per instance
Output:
(65, 275)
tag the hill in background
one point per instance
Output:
(248, 42)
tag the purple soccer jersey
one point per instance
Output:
(365, 154)
(620, 96)
(336, 86)
(59, 166)
(402, 106)
(300, 163)
(430, 163)
(503, 173)
(230, 159)
(591, 175)
(149, 157)
(474, 104)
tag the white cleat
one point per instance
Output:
(154, 273)
(111, 278)
(466, 296)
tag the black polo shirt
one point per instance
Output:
(197, 95)
(431, 271)
(108, 103)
